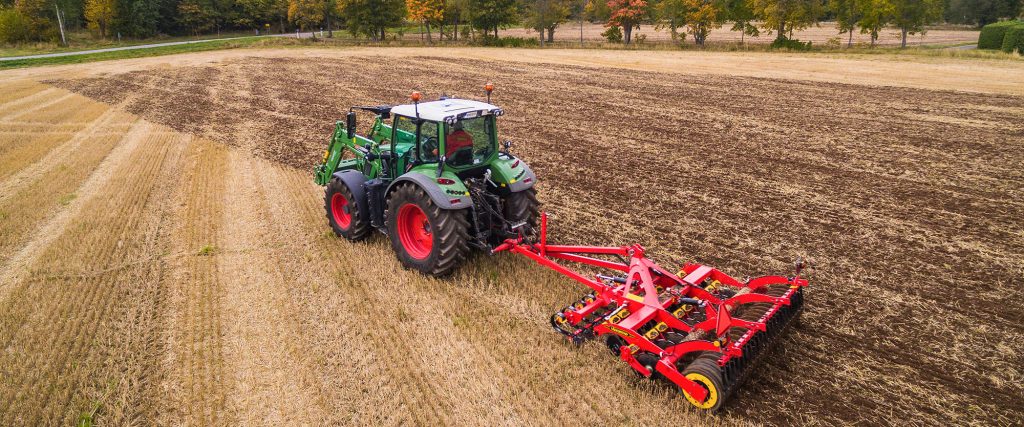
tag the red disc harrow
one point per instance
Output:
(698, 328)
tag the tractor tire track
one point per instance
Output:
(378, 347)
(194, 364)
(268, 370)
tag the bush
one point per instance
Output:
(992, 34)
(508, 41)
(1014, 39)
(613, 34)
(14, 27)
(785, 43)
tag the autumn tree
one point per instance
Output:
(910, 16)
(489, 15)
(672, 15)
(703, 16)
(847, 14)
(254, 13)
(783, 15)
(306, 14)
(546, 15)
(874, 15)
(627, 14)
(455, 11)
(371, 18)
(37, 16)
(426, 12)
(742, 16)
(196, 15)
(597, 11)
(136, 18)
(13, 26)
(99, 14)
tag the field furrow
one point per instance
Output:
(79, 325)
(18, 151)
(28, 198)
(18, 264)
(23, 94)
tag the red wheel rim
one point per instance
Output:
(414, 231)
(339, 208)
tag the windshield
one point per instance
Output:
(470, 141)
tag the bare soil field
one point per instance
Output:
(819, 35)
(165, 256)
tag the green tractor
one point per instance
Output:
(435, 181)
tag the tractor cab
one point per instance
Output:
(462, 133)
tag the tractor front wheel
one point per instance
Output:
(425, 237)
(343, 211)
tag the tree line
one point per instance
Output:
(40, 20)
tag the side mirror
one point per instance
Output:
(350, 123)
(507, 144)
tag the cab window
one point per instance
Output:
(470, 141)
(428, 141)
(405, 132)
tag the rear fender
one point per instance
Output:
(512, 179)
(355, 180)
(430, 186)
(525, 181)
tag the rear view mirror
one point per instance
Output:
(350, 123)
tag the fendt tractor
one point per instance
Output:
(437, 182)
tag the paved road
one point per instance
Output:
(141, 46)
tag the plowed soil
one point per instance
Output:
(185, 272)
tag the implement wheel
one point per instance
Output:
(424, 236)
(705, 371)
(343, 212)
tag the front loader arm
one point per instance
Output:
(335, 153)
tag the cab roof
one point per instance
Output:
(448, 110)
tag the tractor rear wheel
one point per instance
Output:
(343, 211)
(523, 207)
(425, 237)
(704, 370)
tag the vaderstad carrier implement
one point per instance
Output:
(698, 328)
(437, 182)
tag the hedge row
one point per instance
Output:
(993, 36)
(1014, 39)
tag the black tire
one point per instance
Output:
(705, 371)
(358, 227)
(448, 231)
(523, 206)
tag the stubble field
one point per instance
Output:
(166, 258)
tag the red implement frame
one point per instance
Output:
(645, 296)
